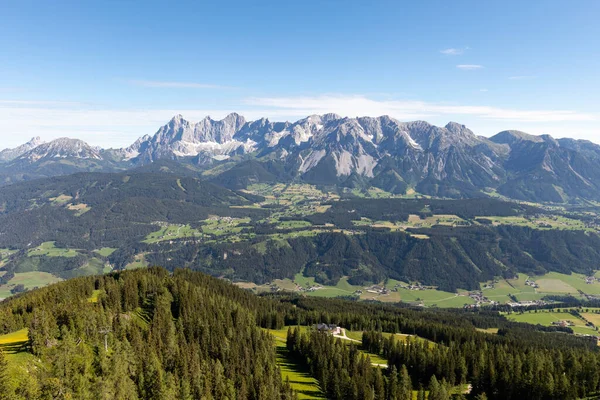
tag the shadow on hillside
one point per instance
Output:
(15, 347)
(297, 368)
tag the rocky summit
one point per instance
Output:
(450, 161)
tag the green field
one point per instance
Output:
(343, 288)
(105, 251)
(546, 318)
(15, 348)
(94, 266)
(223, 226)
(138, 262)
(299, 376)
(94, 297)
(49, 250)
(549, 284)
(172, 232)
(575, 281)
(545, 222)
(592, 317)
(29, 279)
(516, 287)
(293, 224)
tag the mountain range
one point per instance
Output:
(383, 152)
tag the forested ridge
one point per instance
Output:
(90, 211)
(446, 259)
(180, 336)
(187, 335)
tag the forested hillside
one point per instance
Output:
(154, 335)
(91, 223)
(185, 336)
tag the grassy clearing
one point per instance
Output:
(94, 266)
(139, 261)
(94, 297)
(550, 285)
(546, 318)
(15, 347)
(576, 281)
(491, 331)
(592, 317)
(28, 279)
(34, 279)
(105, 251)
(172, 232)
(79, 209)
(299, 376)
(218, 226)
(4, 253)
(49, 249)
(293, 224)
(544, 222)
(506, 287)
(430, 297)
(60, 200)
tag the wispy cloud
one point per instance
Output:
(112, 127)
(453, 51)
(469, 67)
(177, 85)
(38, 103)
(521, 77)
(409, 109)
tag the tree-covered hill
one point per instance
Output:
(145, 334)
(149, 334)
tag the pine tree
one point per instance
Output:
(392, 384)
(405, 385)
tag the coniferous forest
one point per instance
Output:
(152, 334)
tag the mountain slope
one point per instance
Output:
(10, 154)
(544, 169)
(450, 161)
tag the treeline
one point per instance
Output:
(122, 208)
(343, 372)
(187, 335)
(451, 258)
(342, 213)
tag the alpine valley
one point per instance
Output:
(366, 208)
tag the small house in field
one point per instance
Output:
(331, 328)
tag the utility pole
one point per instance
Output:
(105, 332)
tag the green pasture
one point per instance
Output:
(49, 249)
(172, 232)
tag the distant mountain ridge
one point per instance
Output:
(10, 154)
(395, 156)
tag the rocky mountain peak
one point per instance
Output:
(513, 136)
(62, 148)
(11, 154)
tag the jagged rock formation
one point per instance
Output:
(449, 161)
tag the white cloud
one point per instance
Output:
(469, 67)
(408, 109)
(176, 85)
(452, 52)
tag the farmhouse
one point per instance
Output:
(332, 328)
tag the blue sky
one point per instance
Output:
(108, 72)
